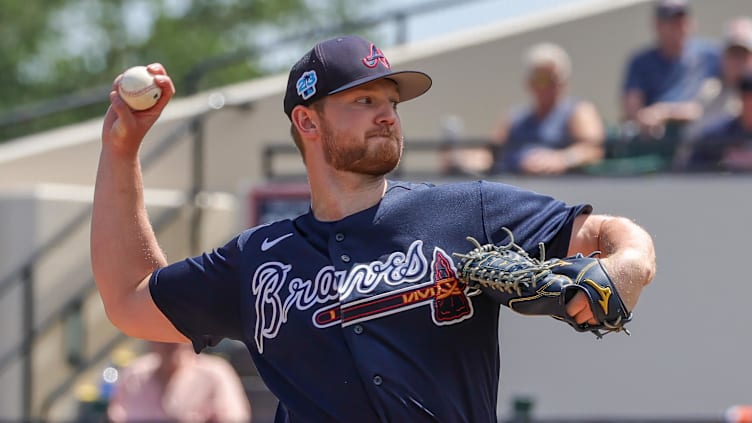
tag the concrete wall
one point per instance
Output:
(688, 355)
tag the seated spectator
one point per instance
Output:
(719, 97)
(728, 145)
(172, 383)
(555, 133)
(662, 82)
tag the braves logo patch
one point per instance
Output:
(416, 283)
(375, 58)
(306, 84)
(443, 294)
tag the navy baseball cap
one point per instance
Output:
(341, 63)
(667, 9)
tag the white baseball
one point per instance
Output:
(137, 88)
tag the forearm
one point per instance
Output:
(681, 112)
(628, 255)
(582, 153)
(661, 113)
(124, 249)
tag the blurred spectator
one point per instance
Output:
(738, 414)
(720, 97)
(172, 383)
(728, 145)
(662, 82)
(555, 133)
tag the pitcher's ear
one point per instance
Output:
(304, 119)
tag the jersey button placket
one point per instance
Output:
(345, 258)
(377, 380)
(358, 329)
(339, 237)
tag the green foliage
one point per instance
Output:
(57, 48)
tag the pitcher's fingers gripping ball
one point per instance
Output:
(543, 287)
(138, 89)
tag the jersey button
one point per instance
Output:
(377, 380)
(358, 329)
(345, 258)
(339, 236)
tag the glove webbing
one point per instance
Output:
(509, 280)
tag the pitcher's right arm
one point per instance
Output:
(124, 248)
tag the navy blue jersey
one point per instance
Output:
(363, 319)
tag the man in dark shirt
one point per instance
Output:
(728, 145)
(662, 81)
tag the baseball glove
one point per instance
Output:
(510, 276)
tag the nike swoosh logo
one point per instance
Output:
(267, 244)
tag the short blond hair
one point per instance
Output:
(548, 54)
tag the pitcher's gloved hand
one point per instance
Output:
(510, 276)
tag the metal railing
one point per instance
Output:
(273, 151)
(24, 274)
(163, 220)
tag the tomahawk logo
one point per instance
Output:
(416, 285)
(443, 294)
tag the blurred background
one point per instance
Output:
(219, 160)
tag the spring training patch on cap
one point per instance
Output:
(306, 84)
